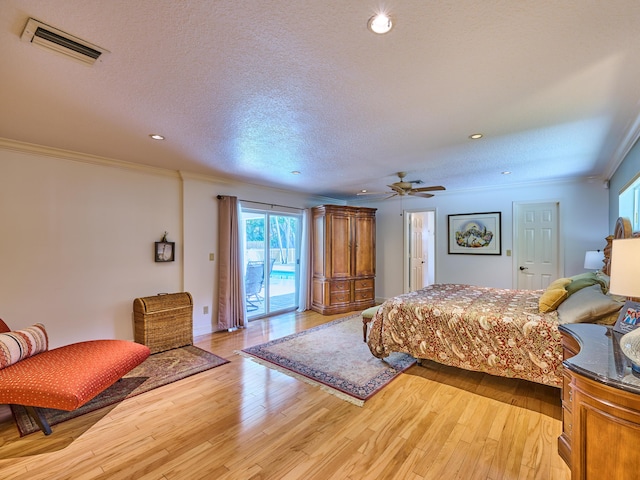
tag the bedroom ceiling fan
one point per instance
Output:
(402, 188)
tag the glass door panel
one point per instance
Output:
(271, 262)
(254, 278)
(284, 260)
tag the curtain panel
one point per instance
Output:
(231, 298)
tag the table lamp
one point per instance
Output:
(625, 281)
(593, 260)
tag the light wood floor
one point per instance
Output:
(245, 421)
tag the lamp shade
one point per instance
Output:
(625, 267)
(593, 259)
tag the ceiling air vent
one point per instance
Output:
(58, 41)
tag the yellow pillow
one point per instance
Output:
(554, 295)
(559, 283)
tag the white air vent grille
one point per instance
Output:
(43, 35)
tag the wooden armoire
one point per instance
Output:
(344, 258)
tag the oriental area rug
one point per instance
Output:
(157, 370)
(334, 357)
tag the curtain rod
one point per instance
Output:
(263, 203)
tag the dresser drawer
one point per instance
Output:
(363, 295)
(364, 284)
(339, 297)
(342, 286)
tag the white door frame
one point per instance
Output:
(406, 253)
(516, 227)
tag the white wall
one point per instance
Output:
(200, 210)
(77, 233)
(76, 244)
(583, 226)
(628, 170)
(77, 236)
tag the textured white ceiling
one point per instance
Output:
(254, 89)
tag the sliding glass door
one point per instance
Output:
(272, 245)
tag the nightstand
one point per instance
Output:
(600, 405)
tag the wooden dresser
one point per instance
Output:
(600, 405)
(344, 258)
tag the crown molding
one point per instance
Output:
(624, 147)
(30, 148)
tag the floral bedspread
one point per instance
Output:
(490, 330)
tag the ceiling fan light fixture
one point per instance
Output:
(380, 23)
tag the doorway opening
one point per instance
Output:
(272, 261)
(419, 249)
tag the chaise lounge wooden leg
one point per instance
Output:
(37, 415)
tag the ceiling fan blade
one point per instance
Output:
(390, 196)
(420, 194)
(429, 189)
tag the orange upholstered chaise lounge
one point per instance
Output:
(64, 378)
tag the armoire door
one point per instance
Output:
(339, 245)
(365, 255)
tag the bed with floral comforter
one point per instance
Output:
(490, 330)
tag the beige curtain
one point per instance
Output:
(306, 277)
(231, 306)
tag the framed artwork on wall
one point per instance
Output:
(475, 233)
(165, 251)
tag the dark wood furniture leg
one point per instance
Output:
(37, 415)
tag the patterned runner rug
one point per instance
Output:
(334, 357)
(157, 370)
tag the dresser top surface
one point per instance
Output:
(600, 357)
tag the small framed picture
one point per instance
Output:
(629, 318)
(165, 251)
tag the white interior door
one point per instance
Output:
(416, 255)
(419, 249)
(537, 245)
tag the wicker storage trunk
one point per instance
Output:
(164, 321)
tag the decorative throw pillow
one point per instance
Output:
(604, 279)
(587, 305)
(4, 327)
(578, 282)
(554, 295)
(20, 344)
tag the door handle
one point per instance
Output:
(524, 268)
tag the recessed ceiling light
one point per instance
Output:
(380, 23)
(506, 172)
(363, 191)
(475, 136)
(295, 172)
(155, 136)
